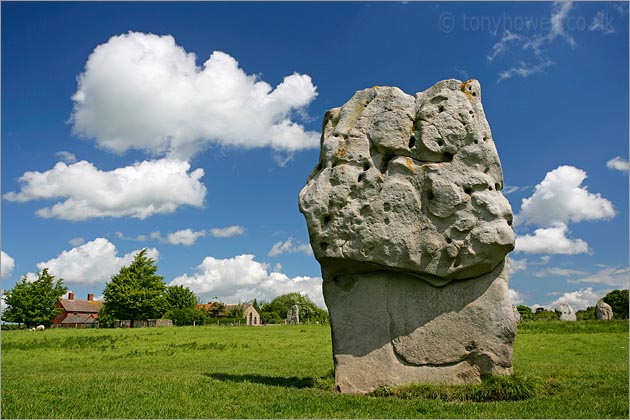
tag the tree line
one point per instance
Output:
(138, 293)
(617, 299)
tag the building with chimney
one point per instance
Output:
(77, 313)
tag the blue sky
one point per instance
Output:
(189, 129)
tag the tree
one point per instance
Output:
(34, 303)
(618, 300)
(180, 297)
(526, 312)
(585, 314)
(136, 292)
(186, 316)
(543, 314)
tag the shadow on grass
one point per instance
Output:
(323, 382)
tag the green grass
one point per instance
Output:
(562, 370)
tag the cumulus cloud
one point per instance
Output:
(186, 237)
(227, 232)
(561, 198)
(517, 265)
(66, 157)
(580, 299)
(241, 278)
(550, 241)
(290, 246)
(140, 190)
(515, 297)
(618, 163)
(91, 263)
(610, 276)
(155, 98)
(6, 265)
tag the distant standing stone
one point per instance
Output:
(603, 310)
(565, 312)
(293, 315)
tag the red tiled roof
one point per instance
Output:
(80, 305)
(79, 319)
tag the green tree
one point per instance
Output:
(618, 300)
(526, 312)
(543, 314)
(585, 314)
(34, 303)
(180, 297)
(236, 312)
(136, 292)
(186, 316)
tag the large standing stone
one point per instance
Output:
(293, 315)
(603, 310)
(565, 312)
(406, 217)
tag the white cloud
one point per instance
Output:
(66, 157)
(610, 276)
(76, 241)
(580, 299)
(290, 247)
(618, 163)
(140, 190)
(515, 297)
(517, 265)
(91, 263)
(602, 22)
(558, 272)
(143, 91)
(186, 237)
(525, 69)
(561, 198)
(242, 279)
(7, 264)
(550, 241)
(503, 45)
(227, 232)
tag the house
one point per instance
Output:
(77, 313)
(251, 315)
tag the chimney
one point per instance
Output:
(71, 295)
(90, 297)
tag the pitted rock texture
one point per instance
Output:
(406, 217)
(565, 312)
(411, 184)
(603, 310)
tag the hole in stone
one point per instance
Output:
(509, 221)
(366, 166)
(449, 240)
(335, 163)
(485, 138)
(385, 162)
(448, 157)
(476, 141)
(497, 187)
(386, 220)
(468, 190)
(323, 246)
(474, 94)
(457, 262)
(361, 176)
(490, 188)
(338, 388)
(440, 142)
(470, 112)
(320, 166)
(485, 171)
(327, 219)
(430, 195)
(387, 206)
(412, 141)
(440, 108)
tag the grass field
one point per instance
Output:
(580, 370)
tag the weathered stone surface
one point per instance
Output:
(565, 312)
(517, 314)
(293, 315)
(406, 217)
(603, 310)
